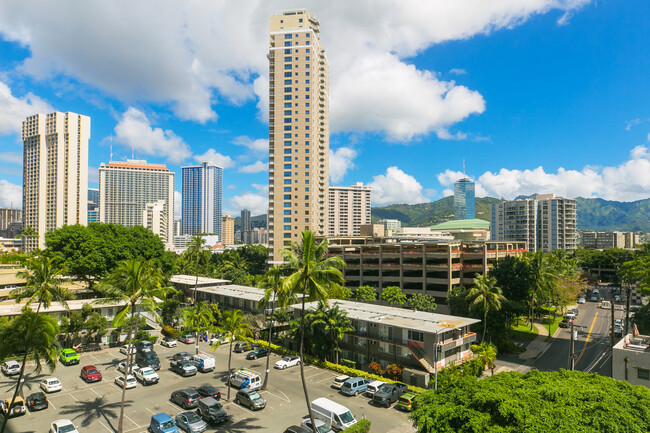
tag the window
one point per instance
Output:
(287, 74)
(287, 82)
(287, 51)
(287, 204)
(297, 57)
(287, 97)
(416, 336)
(287, 227)
(306, 158)
(287, 212)
(287, 151)
(287, 120)
(307, 58)
(287, 196)
(287, 181)
(287, 89)
(287, 112)
(287, 135)
(306, 104)
(287, 174)
(306, 220)
(307, 183)
(287, 189)
(306, 197)
(287, 105)
(288, 166)
(287, 220)
(287, 44)
(643, 373)
(287, 235)
(307, 135)
(288, 66)
(307, 127)
(287, 59)
(287, 158)
(306, 81)
(287, 127)
(288, 36)
(306, 189)
(307, 73)
(307, 50)
(307, 166)
(306, 89)
(307, 150)
(299, 20)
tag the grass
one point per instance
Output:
(555, 322)
(523, 331)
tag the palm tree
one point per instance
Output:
(332, 323)
(194, 253)
(487, 295)
(233, 327)
(542, 278)
(32, 333)
(136, 284)
(314, 276)
(28, 232)
(235, 262)
(487, 352)
(273, 294)
(198, 317)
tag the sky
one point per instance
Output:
(530, 96)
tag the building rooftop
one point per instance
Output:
(638, 343)
(191, 280)
(235, 291)
(462, 224)
(394, 316)
(11, 308)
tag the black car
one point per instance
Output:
(243, 347)
(36, 401)
(209, 391)
(184, 368)
(297, 429)
(212, 412)
(186, 398)
(565, 323)
(389, 393)
(258, 353)
(181, 356)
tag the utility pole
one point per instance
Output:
(627, 308)
(435, 364)
(571, 354)
(612, 340)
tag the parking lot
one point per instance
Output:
(95, 407)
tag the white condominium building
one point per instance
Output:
(298, 130)
(55, 173)
(349, 209)
(133, 192)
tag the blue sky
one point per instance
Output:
(536, 96)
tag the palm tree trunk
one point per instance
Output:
(268, 358)
(484, 325)
(19, 384)
(532, 307)
(128, 368)
(302, 360)
(229, 360)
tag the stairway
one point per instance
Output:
(418, 353)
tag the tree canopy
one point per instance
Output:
(559, 401)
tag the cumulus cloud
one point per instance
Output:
(178, 205)
(93, 175)
(395, 186)
(340, 161)
(256, 167)
(14, 110)
(449, 177)
(11, 196)
(211, 155)
(134, 130)
(457, 71)
(256, 201)
(259, 145)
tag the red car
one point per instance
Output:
(90, 373)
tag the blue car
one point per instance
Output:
(162, 423)
(354, 386)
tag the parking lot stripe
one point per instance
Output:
(50, 403)
(152, 412)
(285, 398)
(239, 406)
(134, 423)
(100, 421)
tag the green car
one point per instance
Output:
(406, 401)
(69, 357)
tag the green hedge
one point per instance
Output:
(362, 426)
(352, 372)
(348, 363)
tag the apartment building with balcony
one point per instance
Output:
(609, 239)
(349, 209)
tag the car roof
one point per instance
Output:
(68, 351)
(162, 417)
(62, 421)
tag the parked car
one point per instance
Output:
(617, 298)
(389, 394)
(121, 367)
(168, 342)
(147, 376)
(373, 387)
(187, 338)
(251, 399)
(147, 359)
(186, 398)
(125, 349)
(338, 381)
(260, 352)
(565, 323)
(321, 427)
(618, 322)
(219, 338)
(209, 391)
(335, 415)
(184, 368)
(582, 300)
(354, 386)
(406, 401)
(181, 356)
(204, 362)
(243, 346)
(16, 409)
(63, 426)
(211, 411)
(569, 315)
(618, 331)
(144, 346)
(10, 368)
(130, 381)
(51, 384)
(90, 373)
(190, 422)
(162, 423)
(573, 311)
(297, 429)
(594, 298)
(287, 361)
(36, 401)
(69, 357)
(595, 291)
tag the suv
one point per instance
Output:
(389, 394)
(162, 423)
(354, 386)
(69, 357)
(373, 387)
(144, 346)
(147, 359)
(338, 381)
(186, 398)
(184, 368)
(37, 401)
(406, 401)
(258, 353)
(147, 376)
(9, 368)
(251, 399)
(211, 411)
(241, 347)
(90, 373)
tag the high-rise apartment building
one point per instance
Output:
(133, 191)
(8, 216)
(245, 220)
(545, 223)
(298, 130)
(55, 173)
(349, 209)
(609, 239)
(464, 200)
(202, 191)
(228, 228)
(93, 205)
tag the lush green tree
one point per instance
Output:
(94, 324)
(169, 311)
(542, 278)
(256, 257)
(642, 319)
(393, 295)
(423, 302)
(457, 301)
(139, 285)
(486, 296)
(559, 401)
(486, 352)
(236, 276)
(314, 276)
(233, 327)
(328, 325)
(343, 293)
(199, 318)
(196, 253)
(637, 271)
(365, 294)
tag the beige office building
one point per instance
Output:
(228, 229)
(131, 192)
(298, 130)
(55, 173)
(349, 209)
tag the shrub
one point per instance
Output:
(393, 371)
(348, 363)
(362, 426)
(375, 367)
(169, 331)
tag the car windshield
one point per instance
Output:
(53, 382)
(209, 390)
(255, 396)
(93, 371)
(192, 417)
(215, 408)
(347, 417)
(385, 388)
(148, 372)
(286, 359)
(131, 379)
(167, 424)
(66, 428)
(323, 428)
(151, 357)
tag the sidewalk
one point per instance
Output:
(538, 346)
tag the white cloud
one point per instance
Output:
(178, 205)
(457, 71)
(395, 186)
(649, 137)
(11, 158)
(256, 167)
(211, 155)
(134, 130)
(93, 175)
(259, 145)
(14, 110)
(231, 186)
(257, 203)
(11, 195)
(449, 177)
(340, 161)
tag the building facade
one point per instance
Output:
(349, 209)
(202, 191)
(390, 224)
(545, 223)
(631, 360)
(464, 200)
(609, 239)
(8, 216)
(55, 173)
(128, 190)
(245, 220)
(228, 229)
(154, 218)
(298, 130)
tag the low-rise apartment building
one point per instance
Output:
(609, 239)
(631, 360)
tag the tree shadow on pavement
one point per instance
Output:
(241, 426)
(90, 410)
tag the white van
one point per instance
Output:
(203, 362)
(335, 415)
(245, 378)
